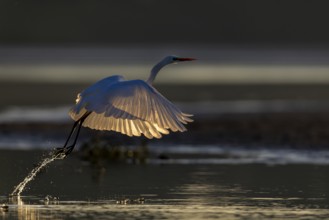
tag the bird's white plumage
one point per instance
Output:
(131, 107)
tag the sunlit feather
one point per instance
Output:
(132, 107)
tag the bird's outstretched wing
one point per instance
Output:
(130, 107)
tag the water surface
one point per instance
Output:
(75, 189)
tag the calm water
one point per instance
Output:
(73, 189)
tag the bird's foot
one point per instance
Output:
(62, 152)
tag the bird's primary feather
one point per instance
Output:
(131, 107)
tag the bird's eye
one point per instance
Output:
(174, 58)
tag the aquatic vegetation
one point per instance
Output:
(97, 151)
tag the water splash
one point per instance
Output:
(53, 156)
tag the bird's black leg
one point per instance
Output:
(68, 149)
(72, 131)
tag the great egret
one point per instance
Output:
(131, 107)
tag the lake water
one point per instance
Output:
(75, 189)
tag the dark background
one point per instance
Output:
(256, 23)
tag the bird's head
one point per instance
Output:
(175, 59)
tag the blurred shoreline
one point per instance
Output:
(15, 93)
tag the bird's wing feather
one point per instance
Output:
(130, 107)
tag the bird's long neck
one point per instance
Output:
(154, 72)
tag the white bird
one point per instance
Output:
(131, 107)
